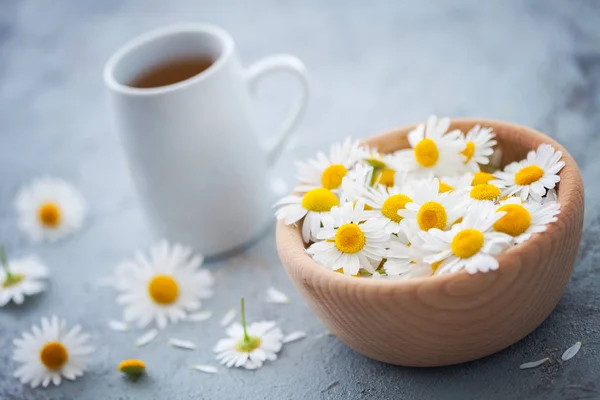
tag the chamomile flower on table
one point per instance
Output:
(313, 206)
(346, 243)
(522, 219)
(249, 345)
(479, 146)
(50, 209)
(133, 369)
(20, 278)
(328, 171)
(51, 352)
(163, 286)
(383, 203)
(431, 209)
(434, 151)
(470, 244)
(532, 176)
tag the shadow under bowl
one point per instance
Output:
(454, 318)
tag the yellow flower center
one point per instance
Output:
(435, 266)
(386, 177)
(529, 174)
(163, 289)
(485, 191)
(319, 200)
(12, 280)
(444, 187)
(516, 220)
(54, 355)
(480, 178)
(432, 215)
(49, 214)
(468, 151)
(132, 366)
(349, 238)
(426, 153)
(248, 346)
(332, 176)
(467, 243)
(394, 203)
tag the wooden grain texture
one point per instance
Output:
(452, 318)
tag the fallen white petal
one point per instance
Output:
(571, 351)
(146, 338)
(118, 326)
(275, 296)
(209, 369)
(228, 317)
(183, 344)
(533, 364)
(199, 316)
(294, 336)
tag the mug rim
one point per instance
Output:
(145, 38)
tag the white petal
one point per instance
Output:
(533, 364)
(208, 369)
(275, 296)
(146, 338)
(292, 337)
(118, 326)
(182, 344)
(228, 317)
(571, 351)
(199, 316)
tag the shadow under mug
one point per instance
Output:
(195, 155)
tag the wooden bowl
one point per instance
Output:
(453, 318)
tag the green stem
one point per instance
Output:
(9, 276)
(246, 337)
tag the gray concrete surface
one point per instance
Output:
(374, 65)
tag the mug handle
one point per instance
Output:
(274, 144)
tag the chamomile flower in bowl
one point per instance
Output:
(485, 257)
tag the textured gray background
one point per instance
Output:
(374, 65)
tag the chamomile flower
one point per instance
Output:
(522, 219)
(385, 168)
(249, 346)
(50, 353)
(164, 286)
(50, 209)
(483, 192)
(312, 206)
(384, 203)
(479, 143)
(348, 244)
(327, 171)
(470, 244)
(20, 278)
(532, 176)
(431, 209)
(482, 177)
(132, 369)
(402, 261)
(434, 152)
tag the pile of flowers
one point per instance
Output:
(436, 208)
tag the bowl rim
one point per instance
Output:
(312, 271)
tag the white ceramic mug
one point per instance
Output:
(194, 153)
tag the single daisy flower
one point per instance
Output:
(164, 286)
(50, 209)
(383, 204)
(20, 278)
(482, 177)
(479, 143)
(401, 260)
(483, 192)
(532, 176)
(249, 346)
(431, 209)
(470, 244)
(434, 152)
(132, 369)
(328, 172)
(347, 243)
(50, 353)
(522, 219)
(313, 206)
